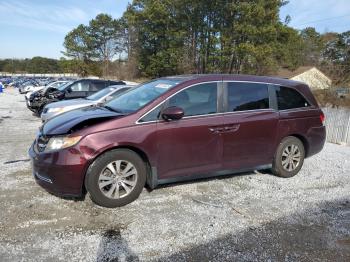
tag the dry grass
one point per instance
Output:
(330, 98)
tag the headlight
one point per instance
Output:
(56, 110)
(60, 142)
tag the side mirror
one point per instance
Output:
(172, 113)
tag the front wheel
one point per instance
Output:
(116, 178)
(289, 157)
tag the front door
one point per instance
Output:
(191, 145)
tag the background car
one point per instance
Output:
(77, 89)
(102, 96)
(32, 89)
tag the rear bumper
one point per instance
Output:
(316, 137)
(61, 173)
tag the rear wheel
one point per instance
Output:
(116, 178)
(289, 157)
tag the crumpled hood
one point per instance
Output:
(65, 122)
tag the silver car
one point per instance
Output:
(104, 95)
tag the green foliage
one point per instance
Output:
(156, 38)
(203, 36)
(37, 64)
(337, 57)
(100, 41)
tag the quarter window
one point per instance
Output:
(197, 100)
(288, 98)
(97, 85)
(153, 115)
(247, 96)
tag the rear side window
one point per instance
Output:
(97, 85)
(247, 96)
(197, 100)
(288, 98)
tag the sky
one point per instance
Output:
(37, 27)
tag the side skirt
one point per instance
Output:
(153, 181)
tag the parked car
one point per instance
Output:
(100, 97)
(32, 89)
(26, 84)
(178, 128)
(77, 89)
(343, 92)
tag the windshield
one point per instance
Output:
(139, 96)
(56, 84)
(62, 87)
(98, 95)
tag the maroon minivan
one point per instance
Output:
(178, 128)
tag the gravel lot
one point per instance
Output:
(247, 217)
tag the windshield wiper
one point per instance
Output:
(113, 109)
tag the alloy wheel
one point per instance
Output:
(291, 157)
(118, 179)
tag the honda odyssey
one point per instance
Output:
(178, 128)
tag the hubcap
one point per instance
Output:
(291, 157)
(118, 179)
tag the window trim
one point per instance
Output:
(165, 102)
(221, 98)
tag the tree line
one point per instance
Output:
(38, 65)
(156, 38)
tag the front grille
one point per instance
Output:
(41, 143)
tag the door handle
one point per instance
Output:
(232, 128)
(223, 129)
(216, 129)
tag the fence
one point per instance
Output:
(338, 125)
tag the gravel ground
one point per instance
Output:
(247, 217)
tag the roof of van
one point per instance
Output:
(235, 77)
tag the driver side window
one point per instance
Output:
(197, 100)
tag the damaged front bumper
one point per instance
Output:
(61, 172)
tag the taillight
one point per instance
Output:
(322, 118)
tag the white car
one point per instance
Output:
(100, 97)
(33, 89)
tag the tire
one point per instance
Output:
(288, 166)
(101, 169)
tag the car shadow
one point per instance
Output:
(319, 234)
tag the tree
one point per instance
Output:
(313, 46)
(202, 36)
(100, 41)
(337, 57)
(107, 39)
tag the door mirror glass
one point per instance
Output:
(172, 113)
